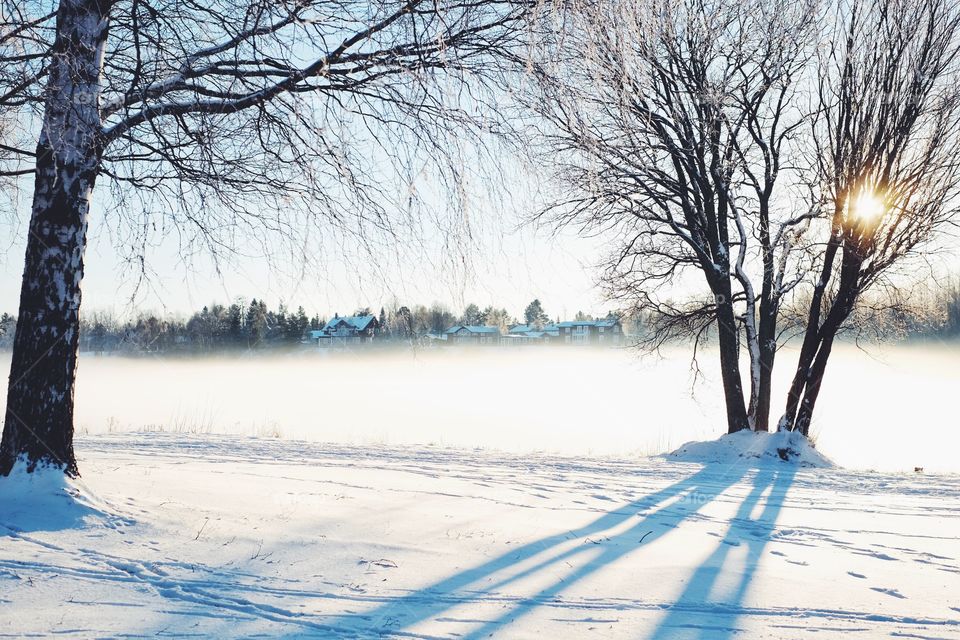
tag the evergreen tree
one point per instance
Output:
(256, 323)
(298, 325)
(534, 314)
(235, 333)
(279, 323)
(435, 320)
(472, 316)
(384, 330)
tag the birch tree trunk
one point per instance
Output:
(38, 427)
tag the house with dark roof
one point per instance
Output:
(347, 330)
(472, 335)
(525, 334)
(607, 331)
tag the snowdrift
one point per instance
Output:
(755, 447)
(46, 500)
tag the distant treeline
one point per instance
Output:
(215, 327)
(947, 312)
(253, 325)
(242, 325)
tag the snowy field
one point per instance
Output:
(497, 494)
(199, 535)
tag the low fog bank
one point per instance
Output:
(891, 409)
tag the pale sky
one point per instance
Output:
(511, 267)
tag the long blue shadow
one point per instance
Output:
(695, 615)
(479, 583)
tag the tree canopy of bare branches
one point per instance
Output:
(759, 165)
(219, 119)
(670, 122)
(885, 136)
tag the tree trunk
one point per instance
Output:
(848, 291)
(811, 338)
(768, 354)
(38, 426)
(729, 340)
(767, 330)
(814, 360)
(812, 390)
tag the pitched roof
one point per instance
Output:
(529, 331)
(357, 322)
(604, 322)
(472, 329)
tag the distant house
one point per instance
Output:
(607, 331)
(525, 334)
(347, 330)
(470, 334)
(551, 332)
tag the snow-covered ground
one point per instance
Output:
(216, 535)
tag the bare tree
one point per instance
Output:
(885, 137)
(668, 123)
(24, 51)
(220, 117)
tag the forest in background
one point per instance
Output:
(252, 325)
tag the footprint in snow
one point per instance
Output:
(856, 575)
(890, 592)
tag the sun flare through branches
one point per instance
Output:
(866, 208)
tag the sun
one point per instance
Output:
(867, 207)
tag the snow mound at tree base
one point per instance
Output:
(752, 446)
(47, 500)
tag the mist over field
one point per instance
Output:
(890, 408)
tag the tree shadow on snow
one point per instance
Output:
(556, 563)
(711, 603)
